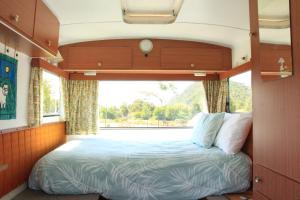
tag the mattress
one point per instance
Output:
(121, 170)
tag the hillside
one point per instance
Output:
(240, 97)
(194, 94)
(239, 93)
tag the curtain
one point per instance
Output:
(82, 110)
(216, 94)
(65, 100)
(35, 105)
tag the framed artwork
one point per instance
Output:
(8, 87)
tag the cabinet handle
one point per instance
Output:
(16, 18)
(49, 43)
(252, 34)
(192, 65)
(257, 179)
(99, 64)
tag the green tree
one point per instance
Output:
(109, 113)
(49, 104)
(124, 110)
(147, 111)
(136, 106)
(159, 113)
(240, 97)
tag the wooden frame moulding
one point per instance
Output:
(143, 76)
(237, 70)
(37, 62)
(24, 128)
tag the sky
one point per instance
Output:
(244, 78)
(115, 93)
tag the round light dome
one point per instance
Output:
(146, 46)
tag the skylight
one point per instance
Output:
(150, 12)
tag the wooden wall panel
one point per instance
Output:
(237, 70)
(20, 149)
(276, 107)
(7, 160)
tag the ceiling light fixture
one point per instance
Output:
(150, 12)
(199, 74)
(90, 73)
(146, 46)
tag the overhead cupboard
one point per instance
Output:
(29, 26)
(165, 55)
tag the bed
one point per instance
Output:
(118, 170)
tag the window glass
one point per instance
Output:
(51, 94)
(150, 103)
(240, 93)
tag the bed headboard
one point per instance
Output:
(248, 146)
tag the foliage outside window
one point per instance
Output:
(51, 95)
(150, 103)
(240, 93)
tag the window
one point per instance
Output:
(240, 93)
(150, 103)
(51, 95)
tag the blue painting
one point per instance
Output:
(8, 87)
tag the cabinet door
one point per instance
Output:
(19, 14)
(258, 196)
(99, 58)
(274, 186)
(46, 30)
(194, 59)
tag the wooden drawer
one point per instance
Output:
(19, 14)
(98, 58)
(193, 59)
(274, 186)
(46, 30)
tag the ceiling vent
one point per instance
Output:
(150, 12)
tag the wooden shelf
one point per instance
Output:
(21, 43)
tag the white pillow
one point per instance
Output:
(234, 132)
(195, 119)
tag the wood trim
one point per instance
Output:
(19, 150)
(145, 71)
(24, 128)
(237, 70)
(37, 62)
(128, 76)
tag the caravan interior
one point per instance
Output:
(142, 100)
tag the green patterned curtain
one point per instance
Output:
(35, 97)
(65, 100)
(82, 110)
(216, 94)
